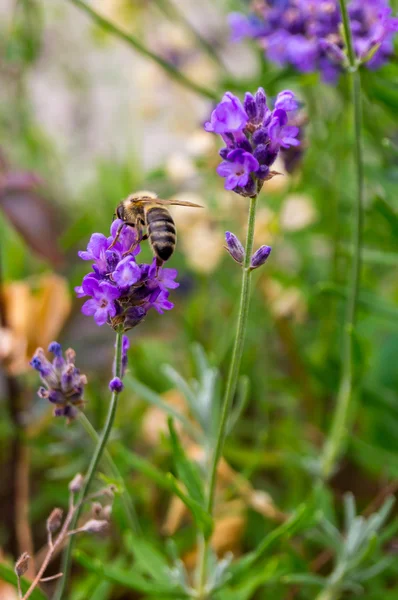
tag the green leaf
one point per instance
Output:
(186, 469)
(257, 577)
(148, 558)
(169, 483)
(242, 394)
(303, 579)
(182, 385)
(302, 519)
(128, 578)
(7, 573)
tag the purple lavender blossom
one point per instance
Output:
(122, 291)
(126, 273)
(102, 305)
(252, 147)
(306, 34)
(237, 168)
(63, 382)
(228, 116)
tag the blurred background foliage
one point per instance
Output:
(84, 120)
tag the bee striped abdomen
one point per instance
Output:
(161, 231)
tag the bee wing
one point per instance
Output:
(168, 202)
(179, 203)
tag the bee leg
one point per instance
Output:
(117, 236)
(159, 264)
(135, 244)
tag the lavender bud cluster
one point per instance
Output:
(307, 34)
(121, 290)
(63, 382)
(236, 250)
(253, 136)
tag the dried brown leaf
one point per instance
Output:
(35, 219)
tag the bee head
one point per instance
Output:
(120, 211)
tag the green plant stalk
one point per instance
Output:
(232, 381)
(128, 505)
(338, 431)
(331, 592)
(170, 69)
(98, 452)
(174, 12)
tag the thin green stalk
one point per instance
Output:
(170, 69)
(174, 12)
(341, 416)
(232, 380)
(98, 452)
(331, 592)
(127, 503)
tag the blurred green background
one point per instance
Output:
(85, 120)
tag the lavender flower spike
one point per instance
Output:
(63, 382)
(253, 135)
(259, 257)
(234, 247)
(121, 291)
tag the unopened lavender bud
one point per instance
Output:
(234, 247)
(332, 51)
(107, 512)
(95, 526)
(116, 385)
(96, 509)
(110, 491)
(70, 356)
(250, 106)
(261, 104)
(22, 564)
(54, 520)
(260, 256)
(76, 483)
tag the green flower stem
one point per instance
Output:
(170, 69)
(331, 592)
(128, 505)
(174, 13)
(98, 452)
(342, 415)
(232, 380)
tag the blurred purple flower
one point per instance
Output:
(306, 34)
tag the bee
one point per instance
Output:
(151, 219)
